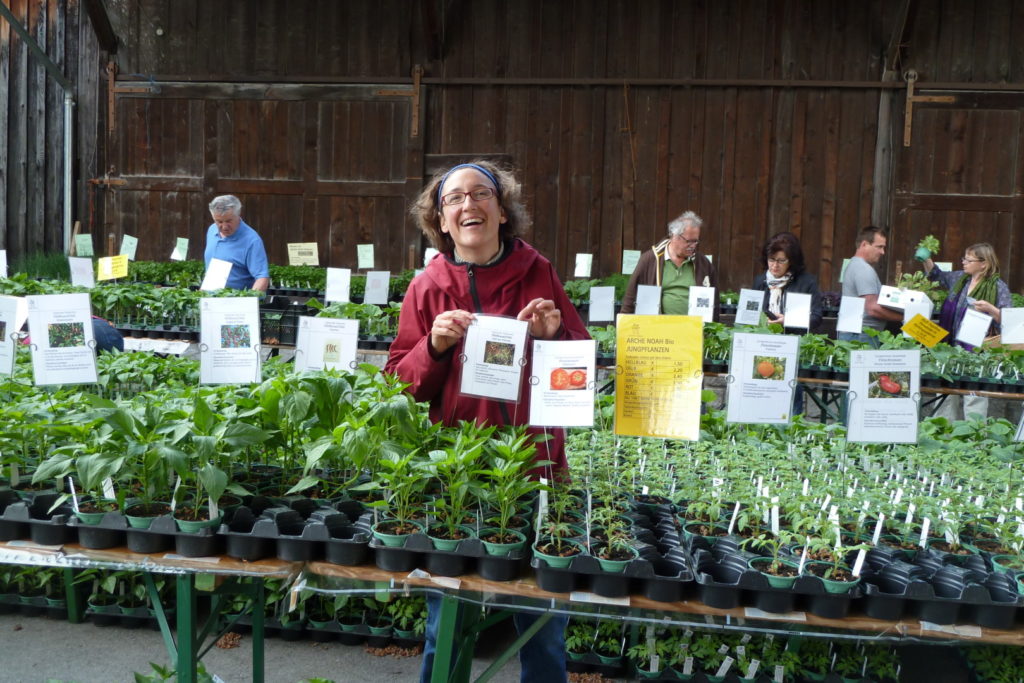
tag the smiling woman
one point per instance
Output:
(472, 214)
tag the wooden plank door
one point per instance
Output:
(332, 164)
(962, 180)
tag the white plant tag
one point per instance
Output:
(925, 525)
(645, 490)
(752, 669)
(780, 673)
(948, 534)
(899, 496)
(824, 505)
(910, 513)
(858, 564)
(745, 639)
(174, 494)
(688, 666)
(775, 516)
(655, 663)
(726, 665)
(1017, 503)
(723, 650)
(741, 651)
(878, 529)
(108, 489)
(74, 496)
(1001, 518)
(803, 558)
(732, 521)
(16, 478)
(212, 505)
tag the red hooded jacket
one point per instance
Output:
(502, 288)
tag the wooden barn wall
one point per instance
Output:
(760, 116)
(32, 122)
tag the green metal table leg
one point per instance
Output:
(257, 631)
(186, 598)
(466, 645)
(161, 617)
(73, 597)
(514, 648)
(450, 609)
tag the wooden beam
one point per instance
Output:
(101, 26)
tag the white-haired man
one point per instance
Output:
(230, 239)
(674, 265)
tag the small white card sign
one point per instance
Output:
(883, 397)
(630, 257)
(973, 327)
(494, 352)
(428, 255)
(229, 334)
(364, 256)
(584, 262)
(3, 263)
(1012, 324)
(326, 343)
(129, 245)
(851, 315)
(8, 329)
(83, 245)
(303, 254)
(180, 251)
(82, 273)
(602, 304)
(748, 310)
(648, 300)
(216, 275)
(763, 367)
(60, 327)
(376, 291)
(702, 303)
(921, 307)
(797, 310)
(563, 393)
(339, 281)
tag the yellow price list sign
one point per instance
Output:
(112, 267)
(924, 330)
(658, 376)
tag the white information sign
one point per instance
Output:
(229, 334)
(763, 368)
(3, 263)
(797, 310)
(748, 310)
(494, 353)
(216, 275)
(428, 255)
(602, 304)
(973, 327)
(364, 256)
(630, 257)
(648, 300)
(326, 343)
(339, 281)
(377, 283)
(60, 327)
(883, 401)
(180, 251)
(129, 245)
(702, 302)
(851, 315)
(82, 272)
(563, 393)
(584, 262)
(1012, 325)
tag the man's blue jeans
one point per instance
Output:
(542, 658)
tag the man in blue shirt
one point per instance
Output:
(230, 239)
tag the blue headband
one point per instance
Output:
(453, 169)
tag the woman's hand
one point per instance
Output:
(449, 327)
(987, 308)
(544, 318)
(928, 264)
(780, 320)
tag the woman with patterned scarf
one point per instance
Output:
(977, 286)
(786, 273)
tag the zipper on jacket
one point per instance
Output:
(477, 308)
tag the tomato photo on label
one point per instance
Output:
(577, 378)
(559, 379)
(766, 369)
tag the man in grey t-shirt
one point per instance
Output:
(861, 279)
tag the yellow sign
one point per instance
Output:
(658, 376)
(303, 254)
(112, 267)
(924, 330)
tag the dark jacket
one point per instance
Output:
(652, 263)
(502, 288)
(804, 283)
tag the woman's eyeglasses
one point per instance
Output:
(478, 195)
(972, 260)
(779, 261)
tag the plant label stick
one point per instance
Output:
(858, 564)
(803, 556)
(645, 490)
(910, 513)
(74, 496)
(807, 486)
(735, 513)
(726, 665)
(899, 496)
(174, 494)
(688, 667)
(878, 529)
(108, 488)
(925, 525)
(212, 504)
(15, 479)
(775, 516)
(828, 499)
(752, 669)
(780, 673)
